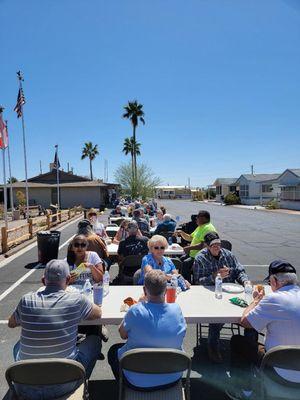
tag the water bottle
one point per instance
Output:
(87, 289)
(248, 292)
(218, 287)
(174, 281)
(170, 240)
(106, 280)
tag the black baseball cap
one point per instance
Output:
(278, 266)
(211, 238)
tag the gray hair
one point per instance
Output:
(167, 217)
(156, 282)
(157, 239)
(85, 230)
(286, 278)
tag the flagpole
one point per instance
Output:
(20, 77)
(9, 170)
(4, 188)
(57, 178)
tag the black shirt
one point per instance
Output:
(133, 246)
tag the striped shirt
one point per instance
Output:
(49, 321)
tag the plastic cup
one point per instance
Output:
(171, 294)
(98, 293)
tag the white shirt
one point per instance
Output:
(279, 313)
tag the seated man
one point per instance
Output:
(150, 323)
(49, 320)
(279, 314)
(117, 212)
(168, 225)
(197, 242)
(134, 244)
(143, 224)
(208, 263)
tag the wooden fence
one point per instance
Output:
(14, 236)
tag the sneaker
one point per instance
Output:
(104, 334)
(214, 355)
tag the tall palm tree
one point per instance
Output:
(134, 112)
(90, 151)
(132, 147)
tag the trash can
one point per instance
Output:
(48, 244)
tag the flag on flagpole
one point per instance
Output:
(3, 134)
(20, 102)
(56, 163)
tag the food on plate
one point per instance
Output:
(78, 270)
(130, 301)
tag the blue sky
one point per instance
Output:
(219, 80)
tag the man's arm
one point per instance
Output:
(244, 321)
(184, 235)
(198, 246)
(202, 273)
(122, 331)
(12, 323)
(95, 313)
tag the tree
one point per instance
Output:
(144, 184)
(13, 180)
(134, 112)
(129, 146)
(90, 151)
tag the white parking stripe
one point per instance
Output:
(32, 245)
(17, 283)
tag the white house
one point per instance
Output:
(224, 186)
(289, 183)
(173, 192)
(258, 188)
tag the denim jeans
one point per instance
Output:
(88, 352)
(214, 335)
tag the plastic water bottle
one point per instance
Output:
(87, 289)
(106, 280)
(174, 281)
(248, 292)
(218, 287)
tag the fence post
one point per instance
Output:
(48, 221)
(69, 213)
(59, 217)
(30, 228)
(4, 239)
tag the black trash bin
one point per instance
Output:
(48, 244)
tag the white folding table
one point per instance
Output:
(174, 250)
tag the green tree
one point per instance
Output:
(134, 112)
(90, 151)
(129, 147)
(145, 183)
(13, 180)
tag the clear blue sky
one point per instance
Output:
(219, 80)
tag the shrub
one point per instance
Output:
(21, 198)
(272, 205)
(232, 198)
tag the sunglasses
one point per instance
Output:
(159, 248)
(82, 245)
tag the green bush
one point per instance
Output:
(232, 198)
(272, 205)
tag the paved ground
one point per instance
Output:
(257, 238)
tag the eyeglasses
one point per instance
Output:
(159, 248)
(82, 245)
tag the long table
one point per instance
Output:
(198, 305)
(174, 250)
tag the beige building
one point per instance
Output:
(173, 192)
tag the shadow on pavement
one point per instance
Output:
(34, 265)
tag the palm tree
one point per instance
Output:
(132, 147)
(90, 151)
(134, 112)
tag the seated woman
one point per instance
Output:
(78, 254)
(98, 227)
(156, 259)
(159, 217)
(123, 234)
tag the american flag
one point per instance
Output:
(3, 134)
(20, 102)
(56, 163)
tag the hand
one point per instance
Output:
(186, 249)
(187, 284)
(177, 233)
(224, 272)
(73, 277)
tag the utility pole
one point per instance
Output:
(252, 169)
(41, 171)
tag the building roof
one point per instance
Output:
(171, 187)
(20, 185)
(64, 177)
(294, 171)
(225, 181)
(259, 177)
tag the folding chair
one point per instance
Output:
(177, 263)
(272, 385)
(128, 266)
(155, 361)
(48, 371)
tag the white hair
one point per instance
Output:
(167, 217)
(286, 278)
(157, 239)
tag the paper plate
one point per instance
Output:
(232, 288)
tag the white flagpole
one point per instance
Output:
(9, 171)
(24, 148)
(4, 188)
(57, 178)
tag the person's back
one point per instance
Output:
(166, 226)
(133, 245)
(95, 243)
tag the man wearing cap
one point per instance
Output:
(278, 313)
(49, 322)
(143, 224)
(208, 263)
(133, 245)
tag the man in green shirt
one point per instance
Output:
(196, 239)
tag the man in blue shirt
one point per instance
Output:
(168, 225)
(150, 323)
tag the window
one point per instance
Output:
(232, 188)
(244, 191)
(219, 189)
(266, 188)
(290, 193)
